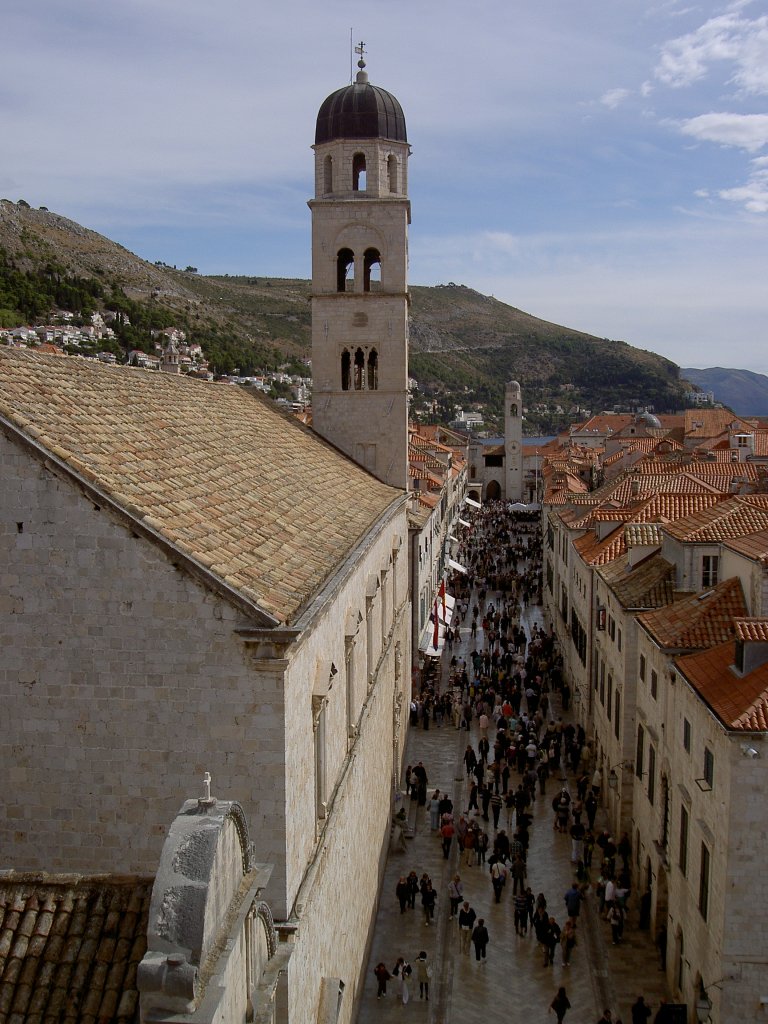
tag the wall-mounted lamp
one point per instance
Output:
(747, 751)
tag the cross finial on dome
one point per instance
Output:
(360, 48)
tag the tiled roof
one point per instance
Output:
(643, 535)
(600, 552)
(254, 498)
(755, 545)
(649, 585)
(740, 702)
(70, 948)
(736, 517)
(699, 620)
(711, 422)
(752, 629)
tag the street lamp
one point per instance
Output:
(613, 778)
(577, 697)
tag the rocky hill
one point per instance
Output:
(743, 391)
(464, 345)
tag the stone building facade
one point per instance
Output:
(177, 600)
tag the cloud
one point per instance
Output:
(747, 131)
(614, 97)
(753, 195)
(728, 37)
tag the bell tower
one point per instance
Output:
(360, 218)
(513, 442)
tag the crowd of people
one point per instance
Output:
(511, 695)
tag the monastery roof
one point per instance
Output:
(740, 702)
(248, 494)
(698, 620)
(752, 629)
(70, 947)
(650, 584)
(736, 517)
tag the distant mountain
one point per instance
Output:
(464, 345)
(741, 390)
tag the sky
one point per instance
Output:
(602, 164)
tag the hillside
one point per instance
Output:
(741, 390)
(464, 345)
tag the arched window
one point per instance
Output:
(345, 271)
(358, 172)
(392, 173)
(373, 370)
(346, 369)
(371, 270)
(359, 370)
(513, 409)
(328, 173)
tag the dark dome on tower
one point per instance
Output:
(360, 111)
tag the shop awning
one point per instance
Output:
(464, 522)
(457, 566)
(473, 503)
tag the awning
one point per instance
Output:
(457, 566)
(451, 537)
(426, 646)
(473, 503)
(449, 605)
(464, 522)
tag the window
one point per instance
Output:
(373, 370)
(710, 565)
(602, 684)
(654, 684)
(682, 857)
(359, 370)
(640, 752)
(328, 174)
(371, 270)
(651, 773)
(345, 271)
(709, 767)
(617, 715)
(609, 704)
(687, 735)
(642, 668)
(321, 785)
(358, 172)
(611, 627)
(392, 173)
(704, 882)
(346, 370)
(618, 639)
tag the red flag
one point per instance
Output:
(441, 594)
(436, 630)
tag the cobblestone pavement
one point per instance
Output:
(513, 983)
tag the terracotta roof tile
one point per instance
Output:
(649, 585)
(69, 947)
(736, 517)
(740, 702)
(600, 552)
(250, 494)
(698, 620)
(752, 629)
(755, 545)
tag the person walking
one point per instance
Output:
(382, 977)
(423, 974)
(560, 1005)
(519, 874)
(553, 939)
(402, 972)
(498, 879)
(428, 900)
(412, 881)
(455, 894)
(568, 941)
(467, 917)
(447, 832)
(640, 1011)
(401, 892)
(480, 940)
